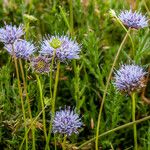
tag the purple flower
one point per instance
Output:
(41, 64)
(66, 122)
(9, 33)
(21, 49)
(63, 47)
(130, 78)
(133, 19)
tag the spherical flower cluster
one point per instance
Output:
(66, 122)
(41, 64)
(133, 19)
(130, 78)
(62, 47)
(9, 33)
(21, 49)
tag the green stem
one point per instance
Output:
(126, 32)
(64, 143)
(28, 101)
(21, 97)
(55, 142)
(51, 94)
(115, 129)
(53, 103)
(51, 74)
(133, 119)
(42, 104)
(76, 84)
(55, 88)
(106, 88)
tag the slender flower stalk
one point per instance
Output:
(42, 104)
(53, 104)
(106, 88)
(51, 73)
(64, 142)
(22, 103)
(133, 119)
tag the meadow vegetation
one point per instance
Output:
(79, 77)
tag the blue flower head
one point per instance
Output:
(66, 122)
(21, 49)
(62, 47)
(133, 19)
(9, 33)
(129, 78)
(41, 64)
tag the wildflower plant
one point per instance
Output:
(130, 79)
(133, 19)
(86, 84)
(63, 47)
(66, 122)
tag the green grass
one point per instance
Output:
(81, 83)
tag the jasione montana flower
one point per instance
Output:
(41, 64)
(21, 49)
(129, 78)
(66, 122)
(133, 19)
(9, 34)
(63, 47)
